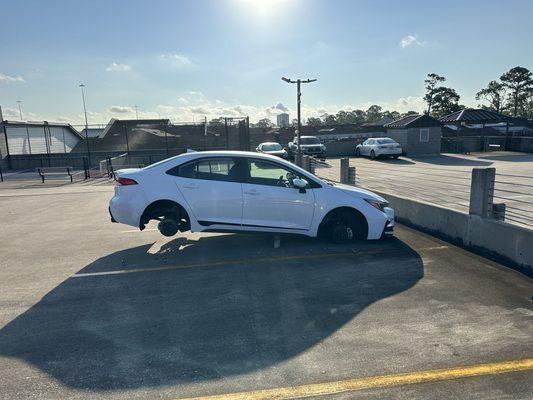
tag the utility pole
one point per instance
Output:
(20, 109)
(136, 112)
(81, 85)
(298, 104)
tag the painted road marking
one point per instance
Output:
(349, 385)
(387, 251)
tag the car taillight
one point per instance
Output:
(126, 181)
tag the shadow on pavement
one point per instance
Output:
(507, 157)
(450, 160)
(167, 327)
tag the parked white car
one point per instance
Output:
(272, 148)
(377, 147)
(244, 191)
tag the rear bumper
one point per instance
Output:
(390, 152)
(111, 215)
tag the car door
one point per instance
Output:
(212, 188)
(270, 200)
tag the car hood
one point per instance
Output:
(310, 145)
(358, 192)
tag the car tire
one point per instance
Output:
(372, 155)
(168, 227)
(341, 233)
(357, 152)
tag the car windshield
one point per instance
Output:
(272, 147)
(309, 140)
(385, 141)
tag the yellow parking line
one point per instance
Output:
(255, 260)
(329, 388)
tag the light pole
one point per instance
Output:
(136, 112)
(81, 85)
(298, 105)
(20, 109)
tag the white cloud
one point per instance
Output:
(176, 60)
(121, 109)
(410, 40)
(11, 79)
(115, 67)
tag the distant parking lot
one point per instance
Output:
(90, 309)
(445, 180)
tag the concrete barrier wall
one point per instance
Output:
(498, 240)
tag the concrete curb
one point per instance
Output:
(508, 244)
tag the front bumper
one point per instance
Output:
(388, 229)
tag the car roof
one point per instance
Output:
(260, 144)
(379, 138)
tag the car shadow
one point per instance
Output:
(397, 161)
(197, 310)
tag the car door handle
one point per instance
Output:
(190, 187)
(252, 192)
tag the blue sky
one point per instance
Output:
(187, 59)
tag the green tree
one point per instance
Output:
(394, 115)
(217, 121)
(374, 113)
(519, 82)
(494, 94)
(357, 117)
(409, 113)
(432, 85)
(329, 119)
(342, 117)
(445, 101)
(313, 121)
(264, 123)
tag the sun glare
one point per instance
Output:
(265, 7)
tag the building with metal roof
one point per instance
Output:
(414, 121)
(474, 116)
(477, 118)
(418, 134)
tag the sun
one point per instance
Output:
(265, 7)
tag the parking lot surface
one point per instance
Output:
(90, 309)
(445, 179)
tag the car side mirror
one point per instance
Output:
(300, 184)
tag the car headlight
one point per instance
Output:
(380, 205)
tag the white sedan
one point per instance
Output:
(377, 147)
(272, 148)
(242, 192)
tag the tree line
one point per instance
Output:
(511, 94)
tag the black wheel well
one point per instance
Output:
(346, 214)
(162, 208)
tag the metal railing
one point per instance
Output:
(509, 197)
(516, 191)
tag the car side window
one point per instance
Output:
(213, 169)
(268, 173)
